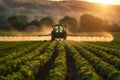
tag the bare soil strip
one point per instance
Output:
(44, 71)
(72, 72)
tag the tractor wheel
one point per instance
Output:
(64, 38)
(53, 38)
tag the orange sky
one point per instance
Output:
(114, 2)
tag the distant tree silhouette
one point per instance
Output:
(47, 21)
(115, 27)
(3, 23)
(18, 22)
(89, 22)
(35, 22)
(70, 22)
(3, 19)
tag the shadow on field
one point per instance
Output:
(72, 72)
(44, 71)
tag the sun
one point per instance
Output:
(103, 1)
(56, 0)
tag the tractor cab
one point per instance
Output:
(58, 32)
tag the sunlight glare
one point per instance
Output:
(103, 1)
(56, 0)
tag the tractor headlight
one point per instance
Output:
(56, 31)
(61, 31)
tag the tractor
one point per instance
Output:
(58, 32)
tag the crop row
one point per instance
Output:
(114, 60)
(18, 52)
(105, 70)
(15, 64)
(30, 67)
(84, 68)
(26, 61)
(9, 45)
(17, 48)
(107, 50)
(59, 68)
(112, 45)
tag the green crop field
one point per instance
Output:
(60, 60)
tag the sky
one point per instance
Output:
(114, 2)
(37, 9)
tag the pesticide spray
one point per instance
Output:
(45, 34)
(106, 37)
(97, 37)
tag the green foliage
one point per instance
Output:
(85, 72)
(28, 64)
(23, 60)
(111, 59)
(59, 69)
(104, 68)
(114, 76)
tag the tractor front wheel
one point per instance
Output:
(64, 38)
(53, 38)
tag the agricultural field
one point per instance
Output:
(60, 60)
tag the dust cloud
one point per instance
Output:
(92, 37)
(24, 38)
(105, 37)
(45, 30)
(45, 34)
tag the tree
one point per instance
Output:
(3, 20)
(35, 22)
(3, 23)
(47, 21)
(70, 22)
(18, 22)
(115, 27)
(89, 22)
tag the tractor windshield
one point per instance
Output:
(59, 27)
(56, 27)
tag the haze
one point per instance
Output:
(113, 2)
(38, 9)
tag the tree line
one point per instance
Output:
(87, 22)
